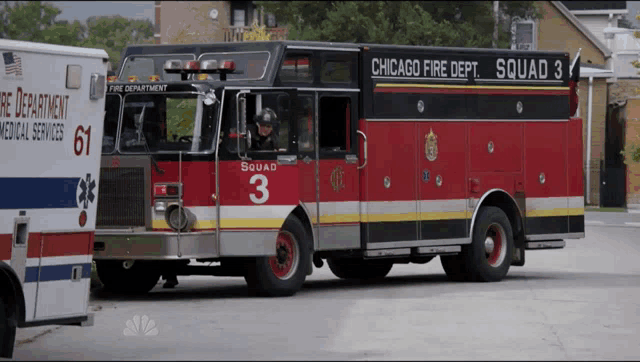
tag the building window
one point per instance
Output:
(271, 21)
(239, 17)
(523, 35)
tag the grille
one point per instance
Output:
(121, 197)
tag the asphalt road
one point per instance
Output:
(580, 302)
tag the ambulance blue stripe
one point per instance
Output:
(50, 273)
(38, 192)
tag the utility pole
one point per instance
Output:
(495, 23)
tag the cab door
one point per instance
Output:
(338, 174)
(258, 190)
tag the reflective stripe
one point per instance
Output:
(555, 206)
(273, 216)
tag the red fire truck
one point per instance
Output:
(268, 158)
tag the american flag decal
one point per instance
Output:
(12, 63)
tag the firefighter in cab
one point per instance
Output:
(264, 131)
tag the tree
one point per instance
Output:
(36, 21)
(114, 33)
(28, 20)
(435, 23)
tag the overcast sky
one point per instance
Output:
(82, 10)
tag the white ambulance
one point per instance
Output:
(51, 123)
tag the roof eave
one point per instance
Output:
(572, 18)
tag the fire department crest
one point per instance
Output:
(431, 146)
(337, 179)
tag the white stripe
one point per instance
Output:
(632, 223)
(62, 260)
(59, 260)
(588, 222)
(32, 262)
(576, 202)
(546, 203)
(390, 207)
(257, 212)
(459, 205)
(339, 207)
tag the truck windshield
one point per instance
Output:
(166, 123)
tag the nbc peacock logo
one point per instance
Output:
(140, 327)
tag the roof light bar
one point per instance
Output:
(194, 66)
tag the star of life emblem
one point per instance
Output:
(85, 191)
(431, 146)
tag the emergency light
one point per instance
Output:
(112, 78)
(195, 66)
(133, 78)
(166, 190)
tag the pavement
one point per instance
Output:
(576, 303)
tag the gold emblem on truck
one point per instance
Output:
(337, 179)
(431, 146)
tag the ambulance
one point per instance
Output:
(266, 159)
(51, 122)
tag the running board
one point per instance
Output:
(421, 251)
(549, 244)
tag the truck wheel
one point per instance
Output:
(359, 269)
(489, 256)
(7, 331)
(283, 274)
(139, 278)
(454, 267)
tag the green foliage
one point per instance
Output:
(435, 23)
(36, 21)
(113, 34)
(180, 117)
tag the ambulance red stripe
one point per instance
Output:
(51, 244)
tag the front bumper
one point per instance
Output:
(151, 245)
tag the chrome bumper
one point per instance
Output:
(149, 245)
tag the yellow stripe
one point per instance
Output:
(449, 215)
(352, 218)
(556, 212)
(228, 224)
(390, 85)
(339, 218)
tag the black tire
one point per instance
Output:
(7, 331)
(348, 268)
(139, 279)
(291, 263)
(485, 264)
(454, 267)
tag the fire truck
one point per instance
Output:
(264, 159)
(52, 101)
